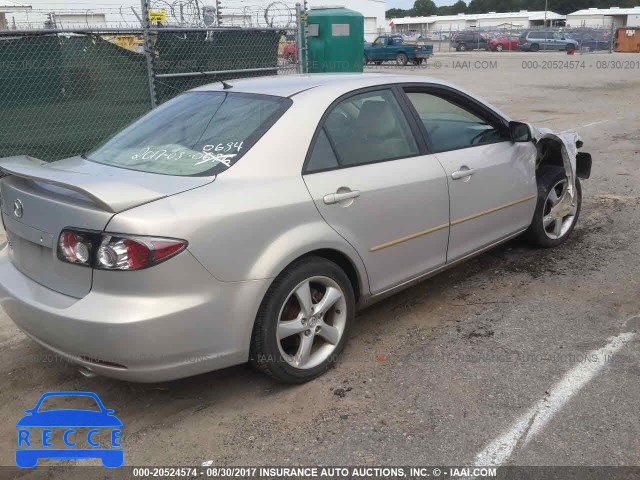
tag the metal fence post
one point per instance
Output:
(148, 51)
(299, 34)
(611, 37)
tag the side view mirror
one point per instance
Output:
(519, 132)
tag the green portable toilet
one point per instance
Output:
(335, 39)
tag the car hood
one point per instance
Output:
(111, 188)
(69, 418)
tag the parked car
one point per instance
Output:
(504, 43)
(534, 40)
(395, 47)
(470, 41)
(437, 36)
(591, 40)
(205, 234)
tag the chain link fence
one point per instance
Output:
(65, 91)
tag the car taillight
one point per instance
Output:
(416, 49)
(75, 247)
(115, 252)
(525, 42)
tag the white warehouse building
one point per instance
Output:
(253, 12)
(605, 17)
(462, 21)
(374, 12)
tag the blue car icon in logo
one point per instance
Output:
(35, 433)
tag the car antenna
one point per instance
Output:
(225, 85)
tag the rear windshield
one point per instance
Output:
(197, 133)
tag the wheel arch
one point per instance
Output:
(344, 262)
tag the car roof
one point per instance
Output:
(289, 85)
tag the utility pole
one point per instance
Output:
(545, 13)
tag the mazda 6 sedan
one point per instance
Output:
(248, 220)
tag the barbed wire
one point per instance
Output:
(179, 13)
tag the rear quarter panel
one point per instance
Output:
(256, 217)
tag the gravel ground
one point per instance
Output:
(436, 373)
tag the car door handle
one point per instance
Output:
(462, 173)
(333, 198)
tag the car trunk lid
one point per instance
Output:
(41, 199)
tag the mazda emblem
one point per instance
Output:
(18, 209)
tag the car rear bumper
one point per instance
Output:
(203, 325)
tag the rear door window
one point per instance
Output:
(365, 128)
(197, 133)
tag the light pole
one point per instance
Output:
(545, 13)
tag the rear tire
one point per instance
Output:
(535, 47)
(461, 48)
(544, 231)
(366, 60)
(402, 59)
(295, 338)
(499, 47)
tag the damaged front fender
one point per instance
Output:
(551, 145)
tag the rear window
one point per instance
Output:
(197, 133)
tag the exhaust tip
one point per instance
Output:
(86, 372)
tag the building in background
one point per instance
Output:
(462, 21)
(373, 11)
(8, 7)
(77, 20)
(605, 17)
(252, 13)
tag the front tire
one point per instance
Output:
(303, 321)
(544, 230)
(462, 47)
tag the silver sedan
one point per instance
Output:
(248, 220)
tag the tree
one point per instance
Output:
(459, 7)
(397, 13)
(424, 8)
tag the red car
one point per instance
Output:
(502, 43)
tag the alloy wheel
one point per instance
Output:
(557, 227)
(311, 322)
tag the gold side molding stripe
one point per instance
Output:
(446, 225)
(409, 237)
(491, 210)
